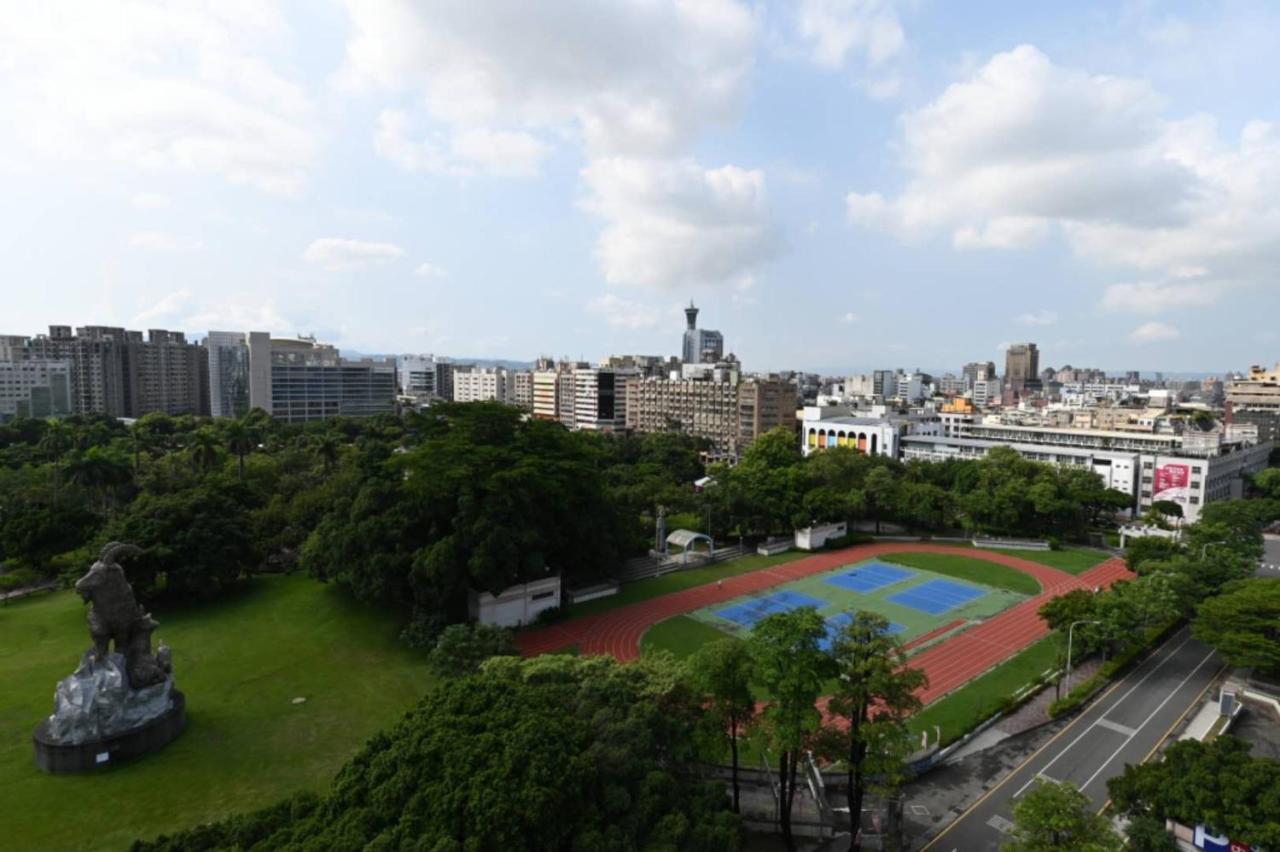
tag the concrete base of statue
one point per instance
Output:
(99, 720)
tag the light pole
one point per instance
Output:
(1067, 679)
(1204, 546)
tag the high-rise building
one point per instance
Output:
(701, 345)
(228, 354)
(165, 374)
(1021, 366)
(97, 365)
(598, 405)
(975, 370)
(522, 389)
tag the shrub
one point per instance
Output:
(847, 540)
(18, 579)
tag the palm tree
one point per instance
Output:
(326, 447)
(55, 443)
(239, 441)
(99, 471)
(203, 446)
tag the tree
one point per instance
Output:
(1268, 482)
(554, 752)
(461, 648)
(197, 541)
(1056, 817)
(792, 667)
(102, 472)
(326, 448)
(880, 491)
(1149, 547)
(203, 446)
(1243, 623)
(54, 444)
(1060, 613)
(240, 442)
(1168, 508)
(1215, 783)
(721, 673)
(875, 692)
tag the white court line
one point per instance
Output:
(1150, 716)
(1117, 703)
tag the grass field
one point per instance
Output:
(969, 568)
(980, 699)
(1073, 560)
(239, 662)
(643, 590)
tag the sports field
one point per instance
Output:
(915, 601)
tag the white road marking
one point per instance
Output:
(1117, 703)
(1115, 726)
(1150, 716)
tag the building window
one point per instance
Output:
(1146, 493)
(1195, 468)
(1195, 500)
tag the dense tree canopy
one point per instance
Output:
(1215, 783)
(1243, 623)
(551, 753)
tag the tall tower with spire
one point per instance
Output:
(701, 345)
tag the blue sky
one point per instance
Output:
(839, 184)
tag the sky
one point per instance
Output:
(838, 184)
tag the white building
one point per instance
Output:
(599, 399)
(416, 375)
(838, 426)
(515, 605)
(35, 388)
(483, 384)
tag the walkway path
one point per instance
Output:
(948, 664)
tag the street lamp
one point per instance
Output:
(1067, 679)
(1206, 545)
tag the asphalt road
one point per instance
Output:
(1124, 725)
(1270, 565)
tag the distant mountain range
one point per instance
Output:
(479, 362)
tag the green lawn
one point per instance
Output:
(1073, 560)
(239, 663)
(642, 590)
(969, 568)
(680, 635)
(981, 699)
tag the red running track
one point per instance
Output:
(948, 664)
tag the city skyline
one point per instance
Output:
(840, 186)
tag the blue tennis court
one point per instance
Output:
(836, 622)
(867, 578)
(936, 596)
(749, 612)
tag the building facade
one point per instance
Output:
(35, 388)
(1021, 366)
(701, 345)
(1255, 399)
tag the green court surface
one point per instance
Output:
(972, 568)
(1073, 560)
(733, 617)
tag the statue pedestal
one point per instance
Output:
(55, 757)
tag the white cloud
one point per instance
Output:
(1154, 332)
(333, 253)
(836, 28)
(634, 76)
(430, 270)
(1041, 317)
(180, 310)
(467, 152)
(159, 86)
(849, 318)
(1024, 148)
(624, 313)
(672, 223)
(150, 201)
(159, 241)
(1152, 297)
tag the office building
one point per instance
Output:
(1021, 367)
(34, 388)
(599, 399)
(310, 381)
(1255, 399)
(228, 356)
(483, 384)
(728, 414)
(416, 376)
(701, 345)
